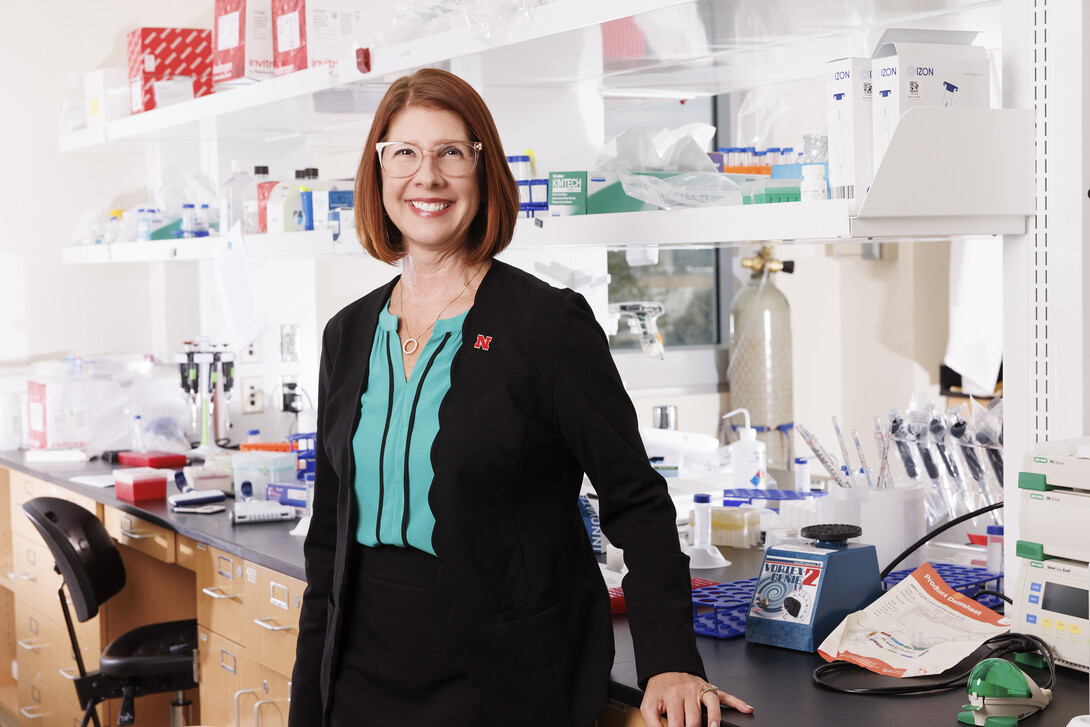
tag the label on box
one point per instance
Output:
(287, 32)
(567, 193)
(227, 31)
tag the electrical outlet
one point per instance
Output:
(252, 353)
(253, 395)
(291, 398)
(289, 342)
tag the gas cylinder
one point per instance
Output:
(759, 372)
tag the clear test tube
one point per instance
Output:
(773, 155)
(749, 156)
(760, 159)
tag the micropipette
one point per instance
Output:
(862, 459)
(938, 432)
(822, 456)
(960, 430)
(895, 425)
(843, 450)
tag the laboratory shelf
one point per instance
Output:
(283, 245)
(545, 20)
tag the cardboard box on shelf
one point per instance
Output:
(912, 68)
(309, 33)
(160, 54)
(242, 48)
(106, 94)
(849, 98)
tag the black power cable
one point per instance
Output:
(1000, 646)
(941, 529)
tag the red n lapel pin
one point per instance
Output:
(482, 342)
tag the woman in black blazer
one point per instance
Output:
(450, 577)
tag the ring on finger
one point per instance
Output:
(708, 688)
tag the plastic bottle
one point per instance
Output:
(189, 220)
(283, 201)
(253, 435)
(995, 548)
(136, 434)
(143, 224)
(748, 461)
(802, 474)
(813, 187)
(250, 221)
(232, 194)
(204, 221)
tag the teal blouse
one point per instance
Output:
(398, 423)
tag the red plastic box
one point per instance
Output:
(140, 483)
(152, 459)
(158, 54)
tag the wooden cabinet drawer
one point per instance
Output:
(43, 649)
(268, 705)
(273, 603)
(222, 597)
(187, 552)
(139, 534)
(33, 578)
(23, 487)
(219, 669)
(40, 706)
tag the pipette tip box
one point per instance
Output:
(140, 483)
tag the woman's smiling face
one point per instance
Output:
(431, 211)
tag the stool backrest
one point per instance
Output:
(83, 551)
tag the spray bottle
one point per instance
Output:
(748, 460)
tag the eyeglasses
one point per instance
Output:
(452, 159)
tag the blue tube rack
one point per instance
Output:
(720, 610)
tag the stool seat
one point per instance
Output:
(156, 650)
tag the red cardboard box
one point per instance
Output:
(308, 33)
(151, 459)
(140, 483)
(242, 41)
(158, 54)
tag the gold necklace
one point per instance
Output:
(410, 345)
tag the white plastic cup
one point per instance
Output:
(891, 518)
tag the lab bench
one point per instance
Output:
(244, 586)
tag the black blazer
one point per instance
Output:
(535, 400)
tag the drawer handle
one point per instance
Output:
(23, 576)
(29, 645)
(264, 623)
(133, 535)
(69, 672)
(217, 593)
(259, 705)
(26, 712)
(239, 694)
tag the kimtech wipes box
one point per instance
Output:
(848, 97)
(242, 42)
(912, 68)
(567, 193)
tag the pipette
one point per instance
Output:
(882, 439)
(822, 456)
(862, 459)
(843, 450)
(895, 428)
(960, 430)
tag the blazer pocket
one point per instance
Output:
(534, 605)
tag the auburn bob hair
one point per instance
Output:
(491, 230)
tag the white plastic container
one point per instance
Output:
(813, 188)
(802, 474)
(261, 468)
(892, 518)
(232, 194)
(995, 548)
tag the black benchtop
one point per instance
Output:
(775, 681)
(267, 544)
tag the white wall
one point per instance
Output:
(49, 309)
